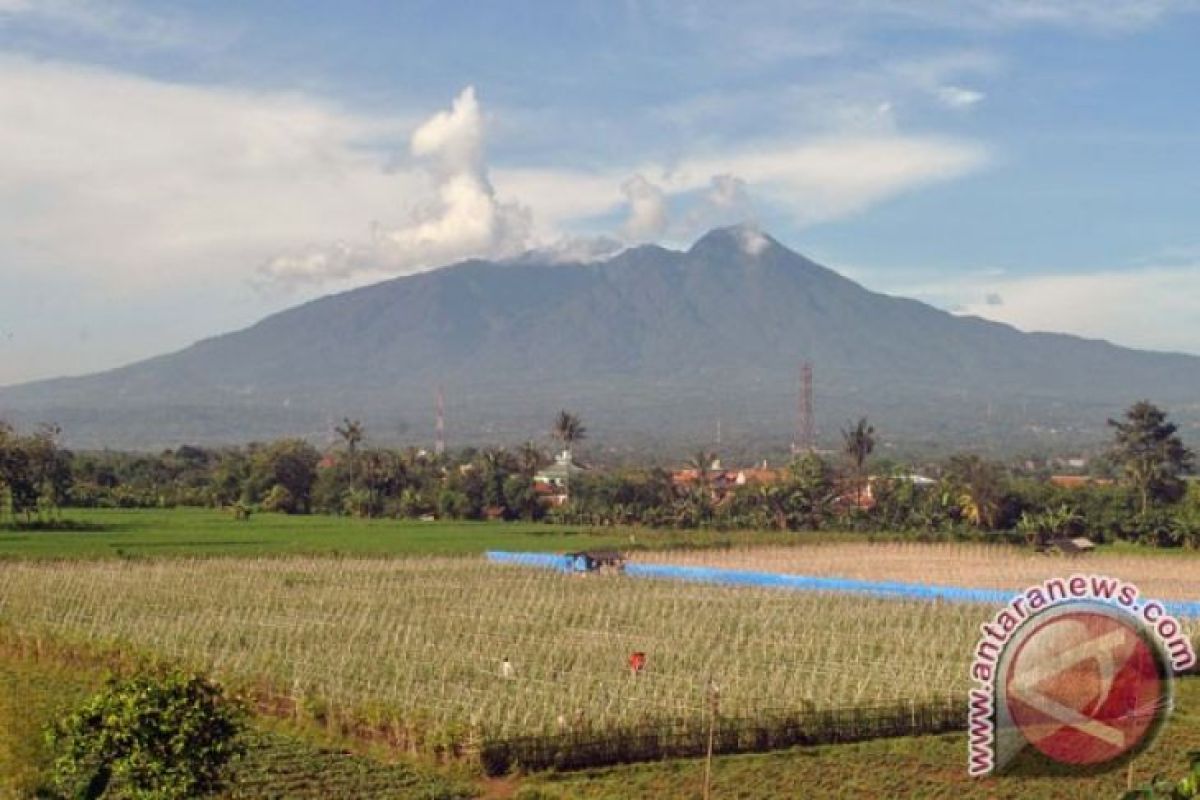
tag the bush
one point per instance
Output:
(152, 737)
(280, 500)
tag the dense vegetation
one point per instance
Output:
(161, 735)
(1140, 494)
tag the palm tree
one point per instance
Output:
(351, 431)
(858, 442)
(568, 429)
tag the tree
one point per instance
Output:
(1151, 454)
(34, 470)
(291, 465)
(858, 442)
(496, 464)
(531, 459)
(810, 491)
(155, 736)
(568, 429)
(351, 431)
(981, 488)
(697, 504)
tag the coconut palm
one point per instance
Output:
(858, 442)
(568, 429)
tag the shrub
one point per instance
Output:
(1162, 789)
(155, 736)
(279, 499)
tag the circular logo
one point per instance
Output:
(1086, 686)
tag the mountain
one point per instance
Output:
(652, 347)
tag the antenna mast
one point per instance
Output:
(805, 440)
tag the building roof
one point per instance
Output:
(1078, 481)
(564, 466)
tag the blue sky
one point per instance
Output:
(173, 171)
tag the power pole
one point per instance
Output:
(714, 701)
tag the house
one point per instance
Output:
(1078, 481)
(722, 482)
(552, 483)
(866, 499)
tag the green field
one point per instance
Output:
(198, 532)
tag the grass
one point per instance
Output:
(31, 695)
(198, 532)
(278, 763)
(925, 767)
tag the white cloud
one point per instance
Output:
(647, 208)
(1104, 16)
(129, 182)
(1152, 308)
(815, 180)
(466, 220)
(109, 21)
(958, 97)
(830, 178)
(752, 240)
(727, 192)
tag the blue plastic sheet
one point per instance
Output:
(803, 583)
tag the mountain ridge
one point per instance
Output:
(649, 342)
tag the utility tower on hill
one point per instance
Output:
(805, 439)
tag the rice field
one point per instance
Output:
(425, 638)
(1168, 577)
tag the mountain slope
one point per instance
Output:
(651, 342)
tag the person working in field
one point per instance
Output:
(637, 662)
(506, 669)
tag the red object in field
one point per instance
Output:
(637, 662)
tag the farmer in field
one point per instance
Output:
(637, 662)
(506, 670)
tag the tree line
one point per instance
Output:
(1149, 499)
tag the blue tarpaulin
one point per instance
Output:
(804, 583)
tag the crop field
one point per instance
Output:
(1170, 577)
(424, 638)
(924, 767)
(201, 532)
